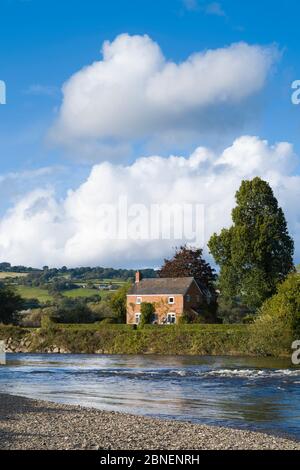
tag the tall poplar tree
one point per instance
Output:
(256, 252)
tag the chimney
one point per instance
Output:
(138, 277)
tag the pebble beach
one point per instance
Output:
(27, 424)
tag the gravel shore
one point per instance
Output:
(32, 424)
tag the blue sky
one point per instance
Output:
(43, 43)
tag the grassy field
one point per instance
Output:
(104, 281)
(81, 292)
(4, 275)
(28, 292)
(113, 281)
(85, 292)
(42, 295)
(97, 283)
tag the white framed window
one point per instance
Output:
(137, 318)
(138, 300)
(171, 300)
(171, 318)
(188, 298)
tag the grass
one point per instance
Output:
(42, 295)
(105, 293)
(112, 281)
(27, 292)
(81, 292)
(5, 275)
(97, 281)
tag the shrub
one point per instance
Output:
(147, 313)
(47, 322)
(248, 319)
(184, 320)
(232, 310)
(117, 303)
(32, 318)
(101, 310)
(73, 311)
(279, 318)
(10, 303)
(107, 321)
(31, 304)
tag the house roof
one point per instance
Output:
(160, 286)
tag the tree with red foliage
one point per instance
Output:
(188, 262)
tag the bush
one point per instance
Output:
(10, 304)
(47, 322)
(232, 311)
(32, 319)
(279, 318)
(147, 313)
(107, 321)
(117, 303)
(249, 319)
(31, 304)
(68, 310)
(102, 310)
(192, 318)
(206, 339)
(184, 320)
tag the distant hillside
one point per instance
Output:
(82, 273)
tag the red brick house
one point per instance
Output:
(172, 297)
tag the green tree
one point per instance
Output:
(278, 322)
(117, 303)
(69, 310)
(147, 313)
(232, 311)
(102, 310)
(10, 303)
(256, 252)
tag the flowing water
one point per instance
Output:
(250, 393)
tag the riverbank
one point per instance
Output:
(27, 424)
(211, 340)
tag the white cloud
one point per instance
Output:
(41, 229)
(29, 174)
(135, 94)
(14, 184)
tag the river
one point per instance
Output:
(252, 393)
